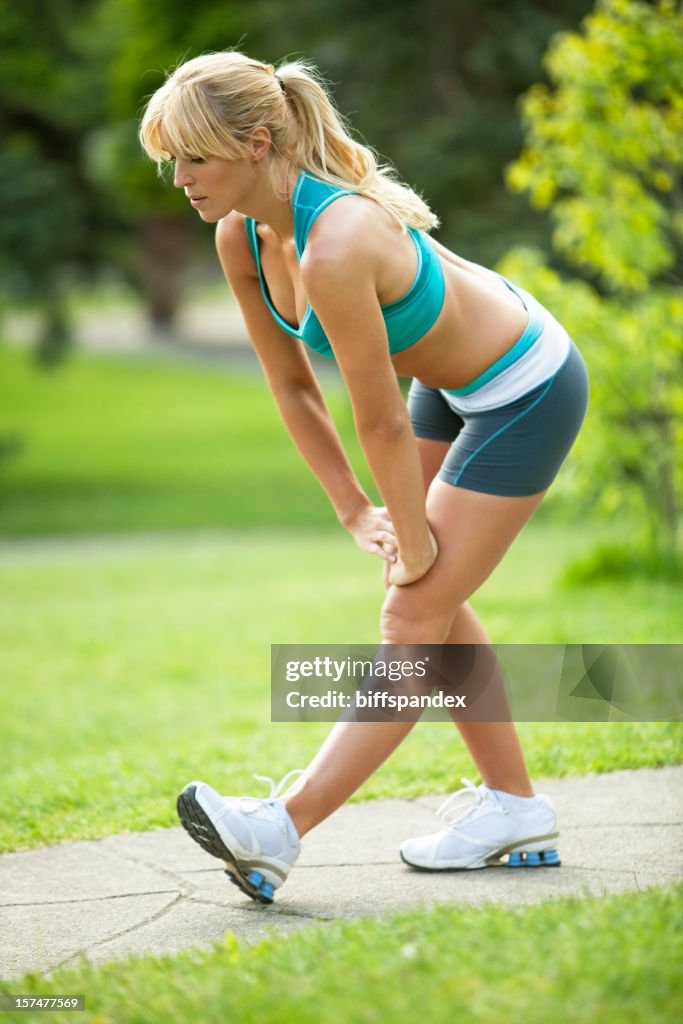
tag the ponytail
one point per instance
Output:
(324, 146)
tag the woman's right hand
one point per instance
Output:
(373, 531)
(406, 571)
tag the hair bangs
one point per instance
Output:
(184, 125)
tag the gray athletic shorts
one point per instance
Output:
(516, 449)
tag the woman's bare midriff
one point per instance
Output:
(480, 321)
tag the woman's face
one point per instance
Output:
(214, 186)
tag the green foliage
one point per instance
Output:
(627, 458)
(50, 223)
(604, 153)
(437, 96)
(611, 562)
(150, 38)
(604, 145)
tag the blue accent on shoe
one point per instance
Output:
(255, 878)
(267, 891)
(533, 859)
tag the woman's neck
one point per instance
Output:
(272, 205)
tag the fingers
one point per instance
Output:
(374, 533)
(388, 542)
(389, 555)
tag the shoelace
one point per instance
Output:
(454, 803)
(275, 790)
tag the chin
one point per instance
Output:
(210, 218)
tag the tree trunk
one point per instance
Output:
(55, 336)
(165, 244)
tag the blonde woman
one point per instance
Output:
(324, 248)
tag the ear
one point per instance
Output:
(259, 142)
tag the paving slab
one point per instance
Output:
(158, 892)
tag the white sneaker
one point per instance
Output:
(496, 824)
(255, 838)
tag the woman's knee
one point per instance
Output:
(402, 621)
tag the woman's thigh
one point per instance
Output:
(473, 531)
(432, 456)
(486, 475)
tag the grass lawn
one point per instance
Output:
(131, 665)
(147, 654)
(108, 444)
(573, 961)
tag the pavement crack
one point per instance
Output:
(75, 957)
(393, 863)
(602, 869)
(94, 899)
(174, 878)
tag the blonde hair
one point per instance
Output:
(209, 106)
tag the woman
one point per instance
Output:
(323, 248)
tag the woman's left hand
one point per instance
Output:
(373, 531)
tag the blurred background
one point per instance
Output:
(549, 145)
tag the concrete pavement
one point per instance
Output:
(159, 892)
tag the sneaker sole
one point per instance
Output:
(521, 855)
(199, 827)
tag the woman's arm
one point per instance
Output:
(299, 398)
(339, 276)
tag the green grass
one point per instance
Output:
(118, 445)
(130, 665)
(567, 960)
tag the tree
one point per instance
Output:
(432, 85)
(51, 224)
(604, 153)
(144, 38)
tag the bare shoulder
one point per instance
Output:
(233, 246)
(346, 242)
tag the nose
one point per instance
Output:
(181, 175)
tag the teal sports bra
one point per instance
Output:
(407, 319)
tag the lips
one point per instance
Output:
(196, 200)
